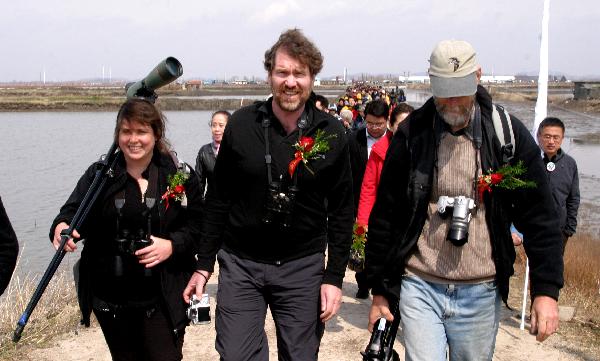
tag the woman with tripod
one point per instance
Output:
(140, 240)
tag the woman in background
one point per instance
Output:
(207, 155)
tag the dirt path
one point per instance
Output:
(345, 336)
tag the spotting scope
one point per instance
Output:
(165, 72)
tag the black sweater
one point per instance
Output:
(323, 212)
(404, 193)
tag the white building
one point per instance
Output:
(423, 79)
(498, 79)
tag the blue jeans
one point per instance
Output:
(462, 317)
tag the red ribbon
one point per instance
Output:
(165, 197)
(294, 163)
(305, 144)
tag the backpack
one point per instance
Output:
(504, 132)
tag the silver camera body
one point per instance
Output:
(198, 311)
(458, 233)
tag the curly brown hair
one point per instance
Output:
(298, 46)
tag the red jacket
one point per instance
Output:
(370, 181)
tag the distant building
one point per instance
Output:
(526, 78)
(240, 82)
(586, 90)
(498, 79)
(192, 85)
(422, 79)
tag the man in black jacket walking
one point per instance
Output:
(361, 141)
(284, 195)
(439, 242)
(9, 249)
(562, 173)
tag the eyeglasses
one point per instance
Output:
(375, 125)
(547, 137)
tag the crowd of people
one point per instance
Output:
(283, 182)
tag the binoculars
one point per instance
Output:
(279, 205)
(164, 73)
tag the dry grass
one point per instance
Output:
(56, 313)
(581, 290)
(582, 276)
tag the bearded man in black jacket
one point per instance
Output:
(448, 272)
(284, 195)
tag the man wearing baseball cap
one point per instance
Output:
(439, 244)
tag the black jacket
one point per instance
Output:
(564, 183)
(358, 161)
(205, 165)
(404, 193)
(322, 215)
(180, 225)
(9, 248)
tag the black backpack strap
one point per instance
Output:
(504, 132)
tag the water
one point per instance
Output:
(43, 155)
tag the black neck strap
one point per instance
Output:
(266, 124)
(149, 199)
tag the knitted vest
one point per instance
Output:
(435, 259)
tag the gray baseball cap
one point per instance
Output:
(452, 69)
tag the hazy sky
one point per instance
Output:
(73, 39)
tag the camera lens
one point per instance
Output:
(458, 233)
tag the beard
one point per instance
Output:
(455, 115)
(292, 103)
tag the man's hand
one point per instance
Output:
(331, 300)
(160, 250)
(70, 245)
(517, 241)
(544, 317)
(380, 307)
(196, 285)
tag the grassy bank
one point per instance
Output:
(581, 290)
(110, 98)
(56, 313)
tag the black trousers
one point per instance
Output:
(291, 290)
(140, 335)
(361, 280)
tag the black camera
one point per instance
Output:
(381, 344)
(458, 233)
(279, 205)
